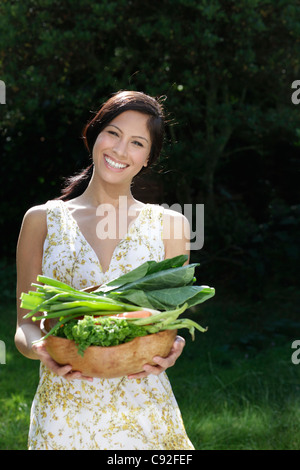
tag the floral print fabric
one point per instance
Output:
(106, 414)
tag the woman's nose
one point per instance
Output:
(120, 148)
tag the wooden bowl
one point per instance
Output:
(112, 361)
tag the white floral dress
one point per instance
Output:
(106, 414)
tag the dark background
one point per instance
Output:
(233, 137)
(232, 143)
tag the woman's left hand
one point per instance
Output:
(163, 363)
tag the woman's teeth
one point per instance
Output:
(114, 164)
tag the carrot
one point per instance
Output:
(137, 314)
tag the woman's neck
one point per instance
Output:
(97, 194)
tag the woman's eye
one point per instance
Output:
(137, 143)
(113, 133)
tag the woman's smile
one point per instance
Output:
(114, 164)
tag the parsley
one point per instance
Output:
(105, 331)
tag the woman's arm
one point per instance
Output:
(176, 234)
(29, 265)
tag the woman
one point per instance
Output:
(93, 233)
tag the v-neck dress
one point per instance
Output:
(106, 414)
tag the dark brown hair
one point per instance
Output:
(117, 104)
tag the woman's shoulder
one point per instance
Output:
(174, 221)
(176, 233)
(34, 225)
(39, 212)
(36, 216)
(36, 212)
(175, 218)
(35, 220)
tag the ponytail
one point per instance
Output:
(75, 185)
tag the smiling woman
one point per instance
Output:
(116, 105)
(119, 149)
(66, 239)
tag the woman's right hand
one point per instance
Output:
(63, 371)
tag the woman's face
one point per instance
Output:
(122, 148)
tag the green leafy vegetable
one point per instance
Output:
(147, 268)
(161, 299)
(166, 288)
(107, 332)
(163, 285)
(111, 331)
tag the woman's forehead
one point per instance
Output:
(133, 122)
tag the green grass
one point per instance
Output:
(18, 381)
(249, 404)
(235, 384)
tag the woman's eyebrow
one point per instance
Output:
(135, 136)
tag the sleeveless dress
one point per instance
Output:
(106, 414)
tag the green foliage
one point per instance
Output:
(91, 331)
(226, 68)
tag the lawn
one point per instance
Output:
(235, 384)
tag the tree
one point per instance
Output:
(226, 68)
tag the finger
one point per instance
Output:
(170, 360)
(77, 375)
(162, 362)
(63, 371)
(165, 362)
(54, 366)
(175, 352)
(89, 379)
(155, 370)
(147, 370)
(139, 375)
(40, 349)
(84, 377)
(179, 343)
(72, 375)
(57, 369)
